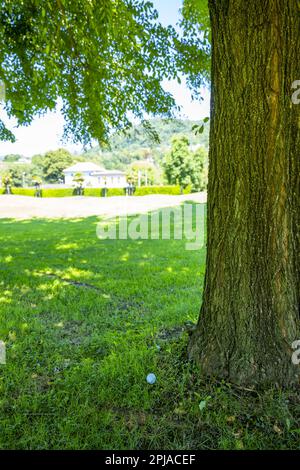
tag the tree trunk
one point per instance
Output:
(250, 312)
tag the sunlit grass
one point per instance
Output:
(85, 320)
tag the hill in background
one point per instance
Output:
(138, 144)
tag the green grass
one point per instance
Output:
(86, 320)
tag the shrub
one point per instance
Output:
(59, 192)
(172, 190)
(92, 192)
(115, 192)
(97, 192)
(23, 191)
(188, 189)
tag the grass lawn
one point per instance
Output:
(85, 321)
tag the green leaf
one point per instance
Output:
(202, 405)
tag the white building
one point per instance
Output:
(95, 176)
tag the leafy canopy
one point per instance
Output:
(194, 47)
(18, 174)
(143, 172)
(184, 167)
(104, 60)
(53, 163)
(178, 163)
(11, 158)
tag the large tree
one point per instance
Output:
(178, 163)
(54, 162)
(106, 61)
(250, 312)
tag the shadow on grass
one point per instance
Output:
(85, 320)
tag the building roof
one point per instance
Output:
(83, 167)
(109, 172)
(90, 167)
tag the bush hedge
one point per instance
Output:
(115, 192)
(59, 192)
(97, 192)
(21, 191)
(92, 192)
(173, 190)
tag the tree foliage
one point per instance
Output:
(178, 163)
(6, 180)
(11, 158)
(200, 170)
(18, 174)
(125, 149)
(104, 59)
(194, 47)
(78, 181)
(53, 163)
(184, 167)
(144, 172)
(36, 180)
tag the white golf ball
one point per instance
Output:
(151, 378)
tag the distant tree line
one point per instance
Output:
(48, 168)
(175, 159)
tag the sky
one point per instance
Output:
(45, 133)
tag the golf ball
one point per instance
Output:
(151, 378)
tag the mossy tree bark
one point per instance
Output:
(250, 312)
